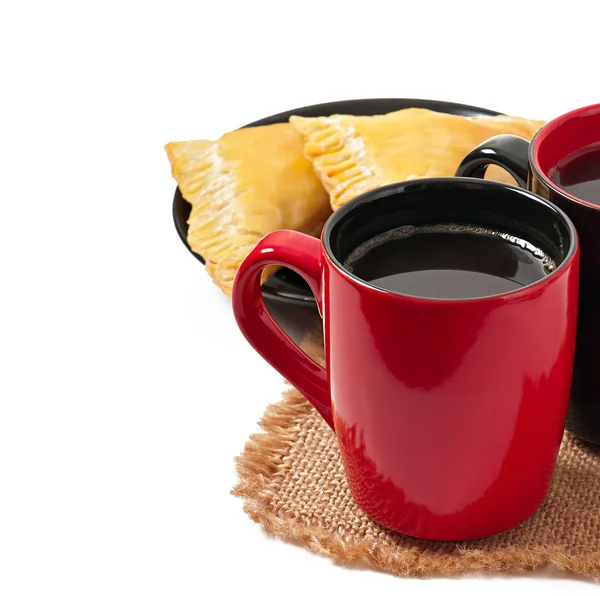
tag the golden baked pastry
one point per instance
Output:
(250, 182)
(353, 154)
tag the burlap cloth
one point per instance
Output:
(292, 481)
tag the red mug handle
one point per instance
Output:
(510, 152)
(302, 254)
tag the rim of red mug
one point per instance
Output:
(389, 189)
(542, 136)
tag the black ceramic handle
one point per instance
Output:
(507, 151)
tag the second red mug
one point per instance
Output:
(449, 413)
(535, 166)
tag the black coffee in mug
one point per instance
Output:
(579, 174)
(448, 261)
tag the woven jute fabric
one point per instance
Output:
(292, 481)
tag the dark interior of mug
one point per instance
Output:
(564, 136)
(449, 200)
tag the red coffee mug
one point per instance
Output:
(531, 164)
(449, 413)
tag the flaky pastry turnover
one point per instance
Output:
(353, 154)
(250, 182)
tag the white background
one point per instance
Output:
(126, 389)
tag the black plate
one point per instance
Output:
(286, 285)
